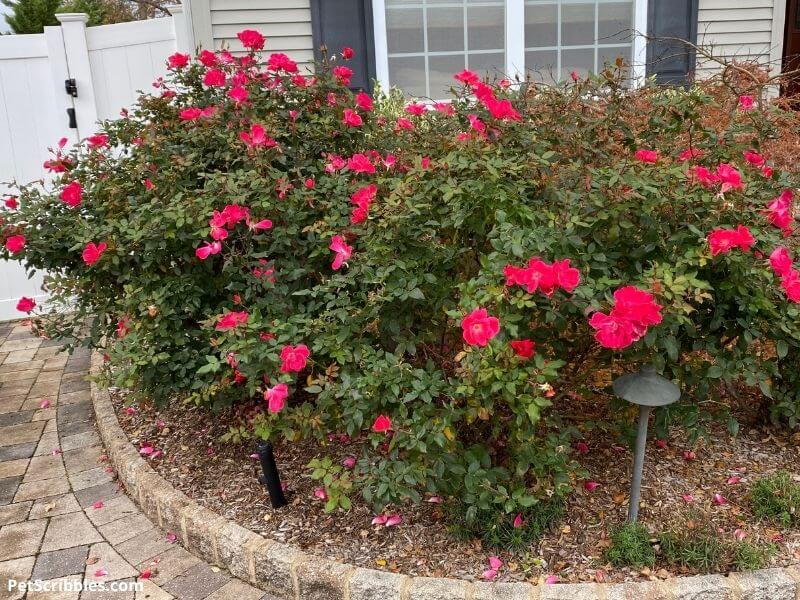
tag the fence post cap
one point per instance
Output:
(70, 17)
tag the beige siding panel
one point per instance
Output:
(223, 5)
(292, 15)
(273, 31)
(739, 29)
(734, 5)
(715, 15)
(285, 23)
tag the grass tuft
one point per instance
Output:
(630, 547)
(776, 498)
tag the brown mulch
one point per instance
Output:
(224, 478)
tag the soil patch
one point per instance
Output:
(187, 451)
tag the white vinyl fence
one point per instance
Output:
(108, 64)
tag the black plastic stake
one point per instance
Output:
(270, 478)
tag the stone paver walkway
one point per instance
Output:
(62, 514)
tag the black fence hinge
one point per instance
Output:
(71, 87)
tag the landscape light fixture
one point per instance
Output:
(648, 390)
(270, 477)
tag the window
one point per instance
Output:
(427, 41)
(420, 44)
(576, 35)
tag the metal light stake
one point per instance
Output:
(270, 478)
(648, 390)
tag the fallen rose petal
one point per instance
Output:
(687, 498)
(495, 562)
(661, 444)
(600, 576)
(739, 534)
(581, 447)
(98, 504)
(349, 462)
(518, 521)
(393, 520)
(435, 500)
(733, 480)
(146, 574)
(171, 537)
(720, 499)
(254, 456)
(146, 450)
(101, 572)
(45, 403)
(591, 485)
(379, 520)
(55, 452)
(489, 574)
(321, 494)
(689, 455)
(551, 579)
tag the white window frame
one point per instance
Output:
(514, 42)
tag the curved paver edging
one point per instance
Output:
(289, 573)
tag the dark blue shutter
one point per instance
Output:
(339, 23)
(671, 61)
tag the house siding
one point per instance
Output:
(740, 29)
(285, 23)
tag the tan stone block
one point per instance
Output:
(66, 531)
(82, 459)
(12, 468)
(90, 478)
(20, 539)
(47, 443)
(41, 489)
(18, 569)
(150, 591)
(199, 526)
(143, 546)
(12, 435)
(113, 510)
(45, 414)
(168, 565)
(236, 590)
(125, 528)
(54, 506)
(63, 588)
(14, 513)
(109, 560)
(45, 467)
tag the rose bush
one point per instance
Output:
(430, 278)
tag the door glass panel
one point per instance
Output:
(404, 30)
(441, 70)
(577, 24)
(408, 73)
(614, 22)
(541, 25)
(486, 27)
(445, 29)
(492, 63)
(542, 64)
(580, 61)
